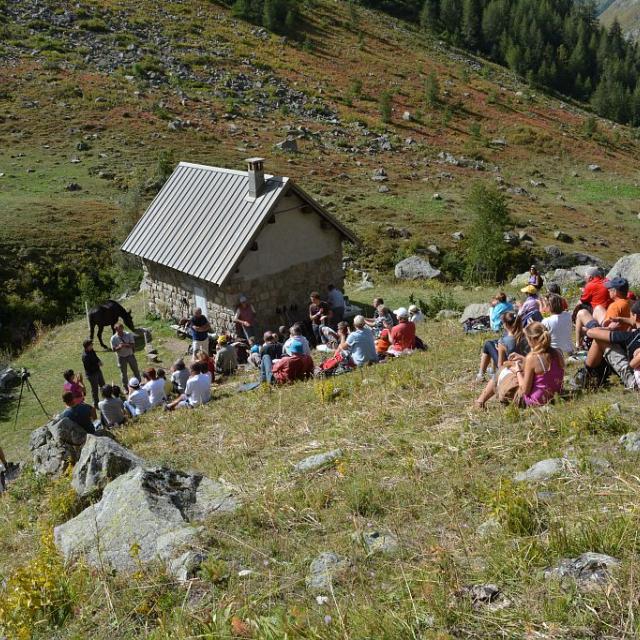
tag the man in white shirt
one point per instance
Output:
(154, 387)
(336, 304)
(197, 391)
(138, 401)
(415, 315)
(124, 344)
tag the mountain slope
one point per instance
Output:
(627, 13)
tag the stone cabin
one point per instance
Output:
(213, 234)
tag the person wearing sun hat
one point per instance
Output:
(226, 358)
(529, 310)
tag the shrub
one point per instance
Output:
(432, 90)
(385, 107)
(600, 418)
(517, 509)
(590, 127)
(96, 25)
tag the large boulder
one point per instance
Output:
(521, 280)
(56, 446)
(101, 460)
(564, 277)
(627, 267)
(476, 310)
(143, 516)
(416, 268)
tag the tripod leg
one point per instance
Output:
(30, 387)
(15, 422)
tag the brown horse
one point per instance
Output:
(106, 315)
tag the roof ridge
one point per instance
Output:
(236, 172)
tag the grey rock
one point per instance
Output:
(521, 280)
(376, 542)
(101, 460)
(524, 236)
(8, 378)
(383, 189)
(152, 511)
(56, 446)
(185, 567)
(457, 235)
(312, 463)
(564, 277)
(627, 267)
(594, 167)
(324, 570)
(587, 569)
(553, 251)
(485, 596)
(406, 116)
(379, 175)
(563, 237)
(436, 196)
(476, 310)
(542, 470)
(498, 142)
(489, 528)
(288, 145)
(416, 268)
(73, 186)
(433, 250)
(511, 238)
(631, 441)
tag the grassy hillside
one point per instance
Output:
(93, 92)
(418, 465)
(627, 13)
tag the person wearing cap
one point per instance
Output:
(535, 279)
(403, 335)
(92, 370)
(618, 346)
(82, 414)
(124, 345)
(359, 343)
(529, 310)
(226, 358)
(297, 366)
(245, 318)
(200, 328)
(415, 315)
(619, 306)
(138, 401)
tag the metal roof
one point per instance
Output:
(202, 221)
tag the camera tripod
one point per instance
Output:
(24, 382)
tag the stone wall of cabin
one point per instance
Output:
(171, 294)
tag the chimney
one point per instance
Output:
(255, 167)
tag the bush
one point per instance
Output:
(95, 25)
(517, 509)
(441, 300)
(385, 107)
(432, 90)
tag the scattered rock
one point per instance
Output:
(101, 460)
(416, 268)
(563, 237)
(511, 238)
(312, 463)
(324, 570)
(498, 142)
(485, 596)
(489, 528)
(553, 251)
(436, 196)
(457, 236)
(186, 566)
(564, 277)
(631, 441)
(433, 250)
(379, 175)
(537, 183)
(143, 516)
(594, 167)
(288, 146)
(476, 310)
(587, 569)
(383, 189)
(523, 236)
(56, 446)
(627, 267)
(8, 378)
(73, 186)
(521, 280)
(406, 116)
(543, 470)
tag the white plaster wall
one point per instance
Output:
(294, 238)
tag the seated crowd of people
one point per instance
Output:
(526, 364)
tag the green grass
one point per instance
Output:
(418, 463)
(596, 191)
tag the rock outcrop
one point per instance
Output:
(416, 268)
(144, 516)
(627, 267)
(101, 460)
(476, 310)
(56, 446)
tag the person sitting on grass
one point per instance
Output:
(179, 376)
(497, 351)
(403, 335)
(554, 288)
(198, 389)
(208, 364)
(226, 358)
(271, 347)
(75, 385)
(384, 340)
(81, 413)
(112, 412)
(532, 380)
(295, 335)
(138, 401)
(415, 315)
(622, 341)
(619, 306)
(558, 323)
(359, 343)
(499, 306)
(529, 310)
(154, 387)
(297, 366)
(161, 374)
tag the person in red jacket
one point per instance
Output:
(298, 366)
(403, 335)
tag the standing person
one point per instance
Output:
(245, 319)
(154, 387)
(138, 401)
(319, 313)
(535, 279)
(73, 383)
(93, 370)
(335, 298)
(81, 413)
(403, 335)
(111, 409)
(200, 328)
(124, 345)
(359, 343)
